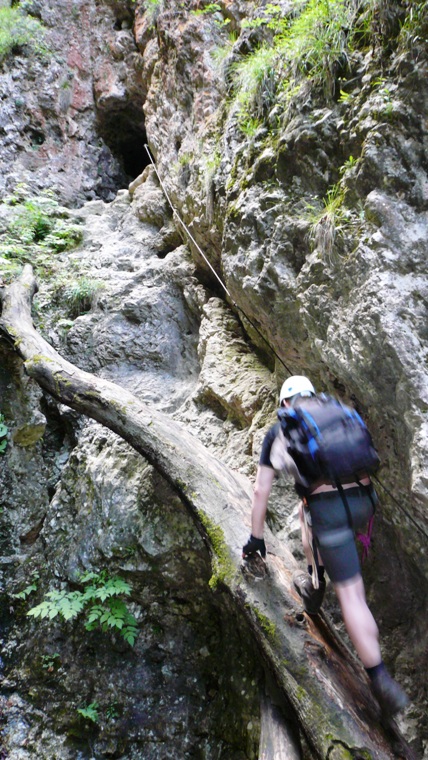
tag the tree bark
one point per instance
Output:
(278, 739)
(321, 680)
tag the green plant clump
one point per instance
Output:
(90, 712)
(314, 42)
(325, 223)
(51, 662)
(320, 39)
(152, 8)
(100, 602)
(255, 83)
(414, 29)
(3, 435)
(210, 8)
(220, 53)
(79, 294)
(28, 589)
(18, 31)
(38, 228)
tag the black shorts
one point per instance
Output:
(333, 535)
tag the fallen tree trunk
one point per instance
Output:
(277, 738)
(321, 680)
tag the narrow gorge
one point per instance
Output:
(196, 200)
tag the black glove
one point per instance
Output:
(252, 546)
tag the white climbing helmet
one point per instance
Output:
(294, 385)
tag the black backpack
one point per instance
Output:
(328, 440)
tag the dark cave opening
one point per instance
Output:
(134, 155)
(124, 134)
(127, 146)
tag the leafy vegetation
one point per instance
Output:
(249, 126)
(326, 222)
(100, 603)
(271, 17)
(255, 82)
(210, 8)
(349, 164)
(152, 8)
(221, 52)
(19, 31)
(90, 712)
(330, 221)
(30, 589)
(34, 230)
(213, 10)
(51, 662)
(414, 29)
(37, 228)
(3, 434)
(319, 39)
(314, 42)
(77, 294)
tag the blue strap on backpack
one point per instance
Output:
(328, 440)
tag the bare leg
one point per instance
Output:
(359, 621)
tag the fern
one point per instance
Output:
(100, 601)
(90, 712)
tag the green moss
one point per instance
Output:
(39, 359)
(300, 694)
(17, 341)
(223, 568)
(60, 380)
(28, 435)
(266, 624)
(340, 751)
(181, 485)
(121, 409)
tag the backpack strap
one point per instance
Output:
(341, 490)
(368, 490)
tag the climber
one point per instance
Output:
(333, 551)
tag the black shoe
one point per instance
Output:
(312, 598)
(388, 693)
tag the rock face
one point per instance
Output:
(71, 116)
(341, 296)
(96, 504)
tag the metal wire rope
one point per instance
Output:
(197, 246)
(239, 308)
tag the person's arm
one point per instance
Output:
(264, 479)
(255, 543)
